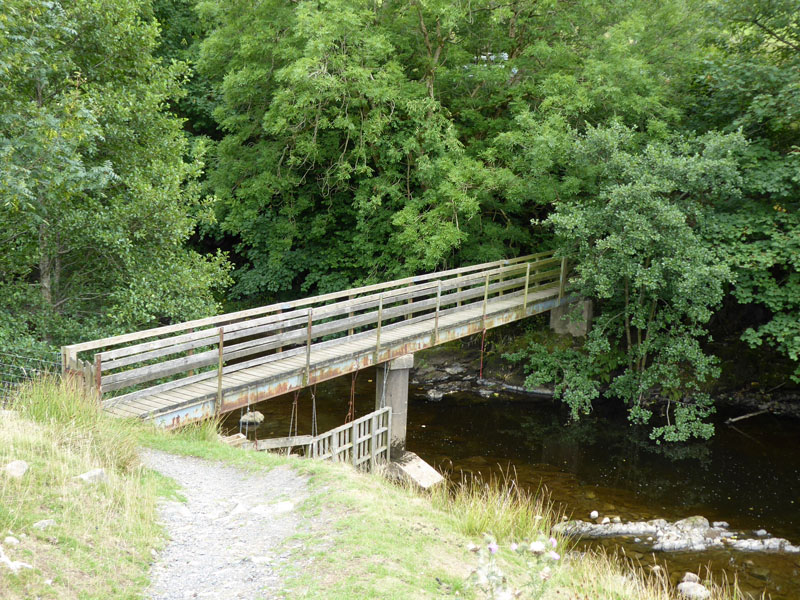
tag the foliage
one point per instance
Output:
(638, 249)
(98, 191)
(751, 83)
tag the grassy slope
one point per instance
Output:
(365, 537)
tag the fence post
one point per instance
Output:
(410, 314)
(438, 305)
(563, 279)
(98, 377)
(308, 348)
(221, 350)
(527, 280)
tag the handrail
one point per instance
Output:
(244, 314)
(292, 326)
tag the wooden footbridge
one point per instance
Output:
(185, 372)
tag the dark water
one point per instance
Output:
(748, 475)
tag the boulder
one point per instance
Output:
(16, 469)
(252, 417)
(434, 394)
(691, 577)
(691, 590)
(93, 477)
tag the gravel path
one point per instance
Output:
(230, 537)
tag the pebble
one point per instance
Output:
(44, 524)
(93, 476)
(11, 541)
(594, 514)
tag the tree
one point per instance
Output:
(98, 191)
(639, 250)
(750, 83)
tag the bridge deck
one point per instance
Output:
(282, 375)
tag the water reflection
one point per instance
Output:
(746, 475)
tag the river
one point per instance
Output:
(747, 475)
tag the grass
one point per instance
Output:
(100, 544)
(363, 536)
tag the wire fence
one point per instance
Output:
(17, 368)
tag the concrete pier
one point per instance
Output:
(392, 390)
(574, 318)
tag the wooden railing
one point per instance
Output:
(364, 440)
(165, 358)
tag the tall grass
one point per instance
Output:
(497, 505)
(79, 421)
(99, 545)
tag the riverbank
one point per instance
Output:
(353, 535)
(749, 382)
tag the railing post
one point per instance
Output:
(378, 333)
(527, 281)
(98, 374)
(410, 314)
(221, 349)
(438, 305)
(458, 291)
(279, 349)
(350, 315)
(563, 278)
(308, 348)
(485, 298)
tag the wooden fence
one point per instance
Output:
(147, 362)
(362, 442)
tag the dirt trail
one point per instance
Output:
(231, 538)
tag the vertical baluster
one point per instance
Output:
(563, 278)
(308, 348)
(378, 333)
(527, 281)
(438, 305)
(221, 350)
(485, 298)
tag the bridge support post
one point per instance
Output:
(391, 389)
(574, 318)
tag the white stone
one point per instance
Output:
(605, 521)
(16, 468)
(44, 524)
(693, 591)
(692, 577)
(594, 514)
(93, 476)
(11, 541)
(13, 565)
